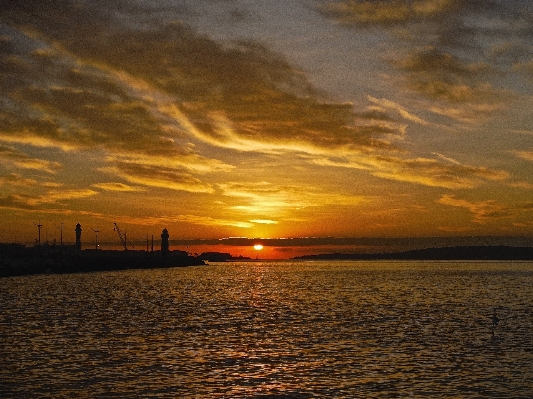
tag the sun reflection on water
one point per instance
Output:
(306, 330)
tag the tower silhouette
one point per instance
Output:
(164, 242)
(78, 237)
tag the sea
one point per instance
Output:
(285, 329)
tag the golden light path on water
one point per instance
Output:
(271, 329)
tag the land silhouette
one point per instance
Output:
(17, 259)
(480, 252)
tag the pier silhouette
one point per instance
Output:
(17, 259)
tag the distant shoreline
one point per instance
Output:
(500, 252)
(30, 261)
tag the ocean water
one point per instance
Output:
(272, 330)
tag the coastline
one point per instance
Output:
(499, 252)
(16, 260)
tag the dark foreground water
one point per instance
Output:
(277, 330)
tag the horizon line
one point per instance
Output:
(366, 241)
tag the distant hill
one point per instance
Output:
(445, 253)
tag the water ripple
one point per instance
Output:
(276, 330)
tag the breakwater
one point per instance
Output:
(19, 260)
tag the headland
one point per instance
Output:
(481, 252)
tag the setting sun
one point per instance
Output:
(258, 247)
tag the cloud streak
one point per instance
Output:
(424, 171)
(486, 211)
(118, 187)
(16, 180)
(527, 155)
(12, 157)
(167, 178)
(273, 204)
(24, 201)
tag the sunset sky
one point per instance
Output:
(266, 119)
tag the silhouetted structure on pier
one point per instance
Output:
(78, 237)
(164, 243)
(16, 259)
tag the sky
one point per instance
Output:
(267, 120)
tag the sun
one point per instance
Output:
(258, 247)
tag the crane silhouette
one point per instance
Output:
(39, 227)
(122, 237)
(96, 236)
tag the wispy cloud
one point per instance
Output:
(267, 199)
(404, 113)
(193, 163)
(264, 221)
(200, 220)
(15, 179)
(150, 176)
(212, 221)
(527, 155)
(113, 186)
(448, 159)
(24, 201)
(425, 171)
(441, 76)
(388, 12)
(9, 156)
(143, 95)
(522, 184)
(485, 211)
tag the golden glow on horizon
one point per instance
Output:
(258, 247)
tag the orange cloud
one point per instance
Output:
(281, 202)
(484, 211)
(527, 155)
(11, 157)
(25, 201)
(150, 176)
(440, 75)
(424, 171)
(112, 186)
(14, 179)
(387, 12)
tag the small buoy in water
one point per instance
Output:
(495, 319)
(495, 322)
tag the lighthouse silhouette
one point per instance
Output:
(78, 237)
(164, 242)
